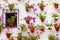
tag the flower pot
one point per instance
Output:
(10, 24)
(56, 27)
(50, 28)
(32, 29)
(55, 19)
(27, 9)
(41, 8)
(56, 5)
(0, 31)
(8, 35)
(42, 20)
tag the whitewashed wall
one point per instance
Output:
(22, 13)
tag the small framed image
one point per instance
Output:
(11, 18)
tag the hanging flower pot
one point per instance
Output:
(32, 29)
(56, 5)
(8, 35)
(41, 6)
(51, 37)
(42, 17)
(29, 18)
(41, 27)
(11, 22)
(28, 7)
(11, 6)
(49, 26)
(56, 27)
(55, 16)
(19, 36)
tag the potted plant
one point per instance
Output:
(51, 37)
(28, 18)
(41, 6)
(19, 36)
(42, 17)
(49, 26)
(8, 35)
(56, 5)
(32, 28)
(11, 6)
(33, 37)
(28, 7)
(55, 16)
(41, 27)
(23, 27)
(10, 21)
(56, 27)
(1, 27)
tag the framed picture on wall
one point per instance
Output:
(11, 18)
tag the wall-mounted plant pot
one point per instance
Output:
(8, 35)
(27, 9)
(41, 8)
(42, 20)
(0, 31)
(32, 29)
(56, 27)
(55, 19)
(11, 24)
(50, 28)
(56, 5)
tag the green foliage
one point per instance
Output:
(11, 19)
(1, 27)
(11, 6)
(42, 16)
(41, 26)
(30, 6)
(27, 5)
(51, 37)
(49, 24)
(55, 15)
(41, 4)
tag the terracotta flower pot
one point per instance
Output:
(42, 20)
(32, 29)
(56, 27)
(8, 35)
(0, 31)
(41, 8)
(56, 5)
(27, 9)
(10, 24)
(55, 19)
(50, 28)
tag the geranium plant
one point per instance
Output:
(32, 28)
(28, 18)
(51, 37)
(41, 6)
(49, 25)
(55, 16)
(42, 17)
(28, 7)
(41, 27)
(11, 6)
(23, 27)
(11, 21)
